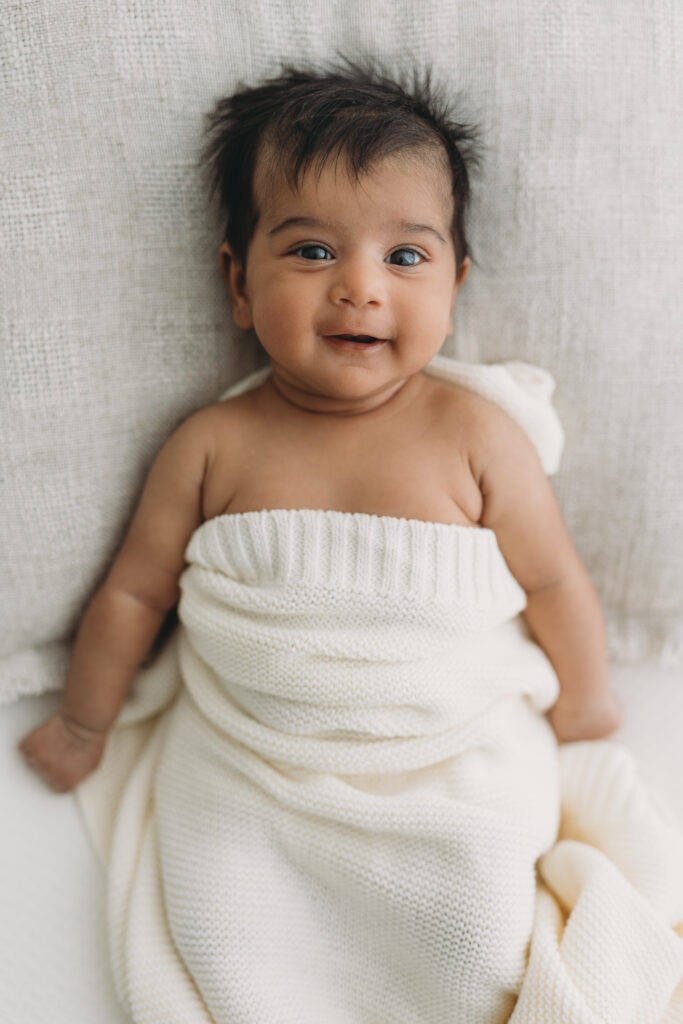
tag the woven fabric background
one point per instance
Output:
(113, 320)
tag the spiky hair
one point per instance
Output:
(307, 117)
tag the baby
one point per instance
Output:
(345, 195)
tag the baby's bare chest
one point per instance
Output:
(413, 471)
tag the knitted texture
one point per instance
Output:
(339, 817)
(326, 800)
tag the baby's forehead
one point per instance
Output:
(277, 177)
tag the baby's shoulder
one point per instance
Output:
(201, 439)
(470, 411)
(222, 420)
(482, 430)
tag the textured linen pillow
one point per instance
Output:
(113, 319)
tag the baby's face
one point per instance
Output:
(338, 259)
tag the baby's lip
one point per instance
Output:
(358, 336)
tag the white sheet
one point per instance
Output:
(54, 967)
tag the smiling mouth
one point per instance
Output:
(363, 339)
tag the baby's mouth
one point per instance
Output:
(356, 337)
(359, 339)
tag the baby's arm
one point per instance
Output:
(126, 612)
(562, 610)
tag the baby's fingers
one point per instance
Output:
(30, 748)
(40, 761)
(58, 757)
(60, 776)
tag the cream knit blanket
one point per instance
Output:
(341, 781)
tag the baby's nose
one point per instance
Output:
(358, 283)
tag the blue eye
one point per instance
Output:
(313, 253)
(405, 258)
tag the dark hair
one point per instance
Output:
(309, 116)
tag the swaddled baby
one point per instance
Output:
(340, 817)
(345, 196)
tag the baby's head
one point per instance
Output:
(303, 120)
(345, 194)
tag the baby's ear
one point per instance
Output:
(463, 271)
(460, 276)
(235, 278)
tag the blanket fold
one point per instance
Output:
(328, 800)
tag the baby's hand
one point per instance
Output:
(585, 718)
(62, 751)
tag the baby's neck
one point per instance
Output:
(373, 405)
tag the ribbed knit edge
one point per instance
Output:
(319, 548)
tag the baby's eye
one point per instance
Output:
(313, 252)
(405, 258)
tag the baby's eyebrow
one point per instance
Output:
(300, 222)
(406, 226)
(313, 222)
